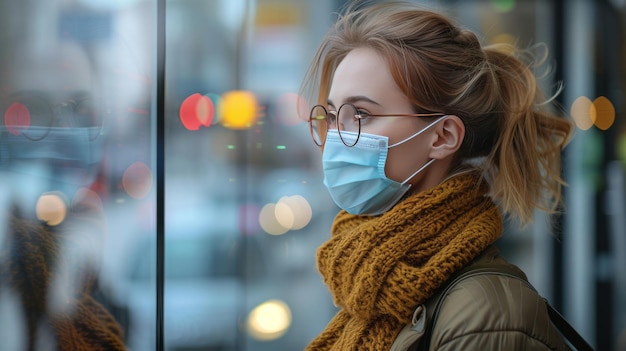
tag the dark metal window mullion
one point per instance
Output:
(160, 171)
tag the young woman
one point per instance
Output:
(429, 139)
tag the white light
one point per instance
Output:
(267, 220)
(269, 320)
(284, 213)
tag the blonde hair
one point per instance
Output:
(511, 133)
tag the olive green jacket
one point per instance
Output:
(491, 312)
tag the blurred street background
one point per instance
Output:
(244, 204)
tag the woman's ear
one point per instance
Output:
(448, 137)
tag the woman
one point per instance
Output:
(429, 140)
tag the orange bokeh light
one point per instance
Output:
(603, 115)
(587, 113)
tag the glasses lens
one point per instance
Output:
(38, 116)
(349, 126)
(318, 123)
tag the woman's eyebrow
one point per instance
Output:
(355, 99)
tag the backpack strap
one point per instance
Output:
(416, 335)
(567, 330)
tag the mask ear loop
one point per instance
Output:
(419, 170)
(418, 133)
(413, 136)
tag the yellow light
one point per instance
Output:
(269, 320)
(239, 109)
(504, 38)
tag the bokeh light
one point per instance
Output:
(581, 112)
(51, 208)
(503, 5)
(284, 214)
(216, 100)
(586, 113)
(505, 38)
(196, 111)
(293, 212)
(205, 111)
(268, 221)
(289, 213)
(603, 113)
(16, 118)
(137, 180)
(238, 109)
(269, 320)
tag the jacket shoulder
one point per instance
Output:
(490, 311)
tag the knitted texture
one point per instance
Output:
(88, 326)
(379, 268)
(52, 270)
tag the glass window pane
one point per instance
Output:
(245, 205)
(246, 208)
(76, 174)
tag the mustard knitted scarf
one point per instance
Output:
(379, 268)
(30, 262)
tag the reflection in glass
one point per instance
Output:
(65, 218)
(32, 114)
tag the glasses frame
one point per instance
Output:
(54, 110)
(358, 117)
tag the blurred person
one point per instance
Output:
(53, 228)
(429, 140)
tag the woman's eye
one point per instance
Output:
(332, 117)
(363, 115)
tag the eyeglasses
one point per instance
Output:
(346, 119)
(32, 114)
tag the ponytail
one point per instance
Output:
(510, 132)
(524, 165)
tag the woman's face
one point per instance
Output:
(364, 80)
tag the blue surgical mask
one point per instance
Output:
(64, 160)
(355, 176)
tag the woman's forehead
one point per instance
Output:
(364, 72)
